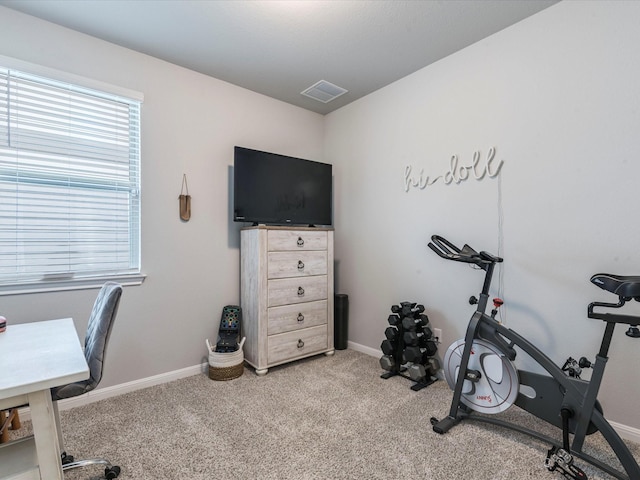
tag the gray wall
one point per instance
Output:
(191, 123)
(557, 96)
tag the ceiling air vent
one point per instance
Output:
(324, 91)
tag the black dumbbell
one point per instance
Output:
(387, 362)
(405, 308)
(418, 372)
(414, 354)
(421, 354)
(411, 323)
(392, 334)
(417, 337)
(411, 309)
(388, 347)
(433, 365)
(394, 320)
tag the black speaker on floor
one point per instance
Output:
(340, 321)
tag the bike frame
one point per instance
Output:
(580, 396)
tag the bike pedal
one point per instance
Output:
(560, 460)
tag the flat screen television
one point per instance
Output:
(279, 190)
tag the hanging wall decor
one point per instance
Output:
(185, 200)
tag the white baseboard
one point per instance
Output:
(114, 391)
(627, 433)
(373, 352)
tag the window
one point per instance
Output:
(69, 183)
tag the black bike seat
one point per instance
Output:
(623, 286)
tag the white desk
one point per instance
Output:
(34, 357)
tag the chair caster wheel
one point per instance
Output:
(66, 458)
(112, 472)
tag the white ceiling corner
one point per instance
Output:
(281, 47)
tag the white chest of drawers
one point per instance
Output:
(286, 294)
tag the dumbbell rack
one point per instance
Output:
(409, 350)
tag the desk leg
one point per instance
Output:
(45, 434)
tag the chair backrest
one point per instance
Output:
(99, 328)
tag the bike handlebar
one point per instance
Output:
(447, 250)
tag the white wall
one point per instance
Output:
(190, 124)
(557, 96)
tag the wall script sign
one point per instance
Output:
(457, 173)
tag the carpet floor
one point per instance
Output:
(327, 417)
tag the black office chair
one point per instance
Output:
(101, 320)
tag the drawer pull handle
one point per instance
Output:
(300, 291)
(300, 265)
(300, 317)
(300, 242)
(300, 343)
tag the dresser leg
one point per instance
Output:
(261, 372)
(330, 353)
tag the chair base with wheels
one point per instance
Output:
(110, 471)
(69, 462)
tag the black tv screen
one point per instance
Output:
(276, 189)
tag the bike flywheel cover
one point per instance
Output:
(496, 389)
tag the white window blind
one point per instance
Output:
(69, 181)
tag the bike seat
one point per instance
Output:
(623, 286)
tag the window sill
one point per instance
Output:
(71, 284)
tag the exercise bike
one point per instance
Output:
(480, 370)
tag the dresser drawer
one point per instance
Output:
(282, 240)
(286, 291)
(296, 264)
(295, 317)
(296, 344)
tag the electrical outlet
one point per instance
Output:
(437, 333)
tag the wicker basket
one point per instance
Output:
(226, 373)
(225, 366)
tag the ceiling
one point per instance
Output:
(281, 47)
